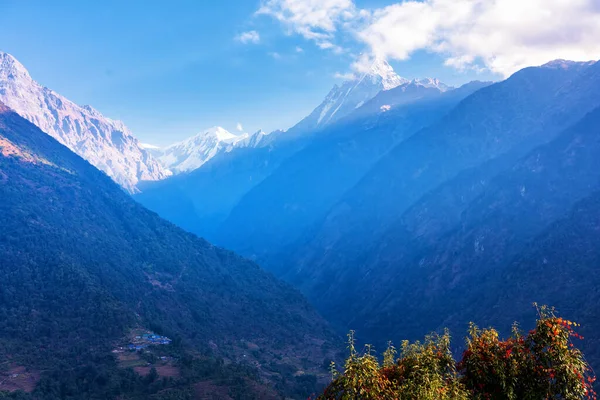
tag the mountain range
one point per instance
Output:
(417, 209)
(107, 144)
(203, 199)
(422, 189)
(329, 166)
(194, 152)
(396, 208)
(111, 147)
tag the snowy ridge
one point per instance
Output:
(256, 140)
(432, 83)
(354, 93)
(381, 73)
(105, 143)
(195, 151)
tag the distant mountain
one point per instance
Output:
(192, 153)
(407, 93)
(398, 235)
(432, 83)
(83, 264)
(352, 94)
(341, 101)
(274, 213)
(106, 144)
(458, 250)
(258, 139)
(202, 200)
(527, 235)
(195, 151)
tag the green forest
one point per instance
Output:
(83, 265)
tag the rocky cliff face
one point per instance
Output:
(104, 143)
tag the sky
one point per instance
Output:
(171, 69)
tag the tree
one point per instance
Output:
(544, 364)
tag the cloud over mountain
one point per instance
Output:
(502, 36)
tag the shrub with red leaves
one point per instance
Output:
(544, 364)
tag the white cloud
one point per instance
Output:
(299, 49)
(275, 55)
(239, 127)
(315, 20)
(500, 35)
(398, 30)
(327, 45)
(347, 76)
(503, 35)
(249, 37)
(363, 62)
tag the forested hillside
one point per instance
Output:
(83, 264)
(460, 271)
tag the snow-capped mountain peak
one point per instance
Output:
(106, 144)
(192, 153)
(432, 83)
(220, 134)
(352, 94)
(383, 73)
(195, 151)
(12, 69)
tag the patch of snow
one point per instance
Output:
(432, 83)
(149, 146)
(257, 139)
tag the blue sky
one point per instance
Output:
(171, 69)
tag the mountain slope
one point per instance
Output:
(83, 263)
(501, 122)
(561, 268)
(106, 144)
(446, 271)
(274, 213)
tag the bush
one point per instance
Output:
(544, 364)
